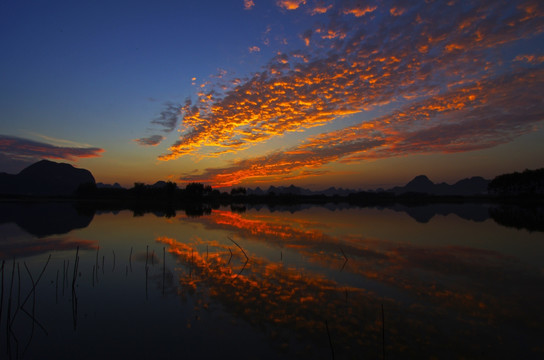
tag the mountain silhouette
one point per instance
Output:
(45, 178)
(108, 186)
(422, 184)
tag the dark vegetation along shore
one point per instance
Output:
(46, 179)
(517, 199)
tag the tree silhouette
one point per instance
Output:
(529, 182)
(238, 191)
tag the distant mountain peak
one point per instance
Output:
(420, 180)
(475, 185)
(420, 183)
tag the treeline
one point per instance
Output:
(164, 191)
(525, 186)
(526, 183)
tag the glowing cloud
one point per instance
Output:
(320, 8)
(290, 4)
(446, 93)
(359, 11)
(254, 49)
(531, 59)
(248, 4)
(406, 58)
(467, 118)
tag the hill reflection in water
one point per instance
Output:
(275, 284)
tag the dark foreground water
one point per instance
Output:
(441, 281)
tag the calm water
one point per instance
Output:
(438, 281)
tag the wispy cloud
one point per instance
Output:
(152, 140)
(168, 117)
(358, 10)
(59, 142)
(320, 7)
(530, 58)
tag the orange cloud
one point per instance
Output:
(396, 11)
(345, 69)
(466, 118)
(359, 11)
(254, 49)
(290, 4)
(531, 59)
(248, 4)
(320, 8)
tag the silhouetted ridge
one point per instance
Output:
(422, 184)
(108, 186)
(46, 178)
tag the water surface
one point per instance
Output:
(446, 281)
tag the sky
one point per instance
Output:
(353, 94)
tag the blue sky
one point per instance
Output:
(290, 91)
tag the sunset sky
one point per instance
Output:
(357, 94)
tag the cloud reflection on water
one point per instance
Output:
(423, 288)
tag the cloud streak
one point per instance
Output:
(152, 140)
(29, 150)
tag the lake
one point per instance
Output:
(306, 282)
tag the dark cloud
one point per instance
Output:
(152, 140)
(16, 151)
(168, 117)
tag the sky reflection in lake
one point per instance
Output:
(275, 284)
